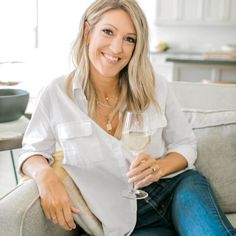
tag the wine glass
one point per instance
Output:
(136, 135)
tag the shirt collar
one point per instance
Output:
(79, 95)
(77, 89)
(76, 84)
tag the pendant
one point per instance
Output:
(109, 127)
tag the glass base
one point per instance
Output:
(137, 194)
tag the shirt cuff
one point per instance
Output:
(27, 155)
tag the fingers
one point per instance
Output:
(46, 211)
(61, 220)
(139, 159)
(153, 177)
(150, 174)
(68, 218)
(144, 170)
(74, 210)
(142, 173)
(63, 217)
(49, 215)
(61, 214)
(55, 202)
(140, 164)
(53, 218)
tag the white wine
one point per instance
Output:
(136, 141)
(136, 135)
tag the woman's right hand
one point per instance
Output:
(54, 199)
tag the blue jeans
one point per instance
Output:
(183, 205)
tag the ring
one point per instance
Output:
(153, 169)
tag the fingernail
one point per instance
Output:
(75, 210)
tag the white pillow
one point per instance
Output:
(85, 219)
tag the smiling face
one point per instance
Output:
(111, 44)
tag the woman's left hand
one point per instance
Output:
(145, 170)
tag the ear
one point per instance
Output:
(86, 32)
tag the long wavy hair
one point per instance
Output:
(136, 80)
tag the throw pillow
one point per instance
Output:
(85, 219)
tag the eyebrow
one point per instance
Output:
(134, 34)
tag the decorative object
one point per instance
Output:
(13, 103)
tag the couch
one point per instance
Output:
(211, 110)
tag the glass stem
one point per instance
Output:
(133, 188)
(133, 185)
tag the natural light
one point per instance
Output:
(36, 38)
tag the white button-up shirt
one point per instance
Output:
(95, 160)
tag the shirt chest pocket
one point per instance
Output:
(80, 144)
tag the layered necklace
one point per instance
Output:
(111, 107)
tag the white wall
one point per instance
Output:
(58, 25)
(196, 38)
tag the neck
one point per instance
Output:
(106, 88)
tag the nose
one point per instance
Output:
(116, 45)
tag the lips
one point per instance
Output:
(111, 59)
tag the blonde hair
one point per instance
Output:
(136, 80)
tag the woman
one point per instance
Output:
(84, 112)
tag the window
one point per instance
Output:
(39, 34)
(18, 23)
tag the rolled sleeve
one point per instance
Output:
(39, 138)
(178, 134)
(27, 155)
(188, 153)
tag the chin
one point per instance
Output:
(109, 73)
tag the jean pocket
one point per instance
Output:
(80, 144)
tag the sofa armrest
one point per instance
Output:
(21, 214)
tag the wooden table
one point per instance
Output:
(11, 135)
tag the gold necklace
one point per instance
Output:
(109, 124)
(107, 106)
(108, 120)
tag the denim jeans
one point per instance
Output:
(183, 205)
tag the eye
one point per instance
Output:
(108, 32)
(130, 40)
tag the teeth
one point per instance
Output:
(111, 58)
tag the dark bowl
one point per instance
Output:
(13, 103)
